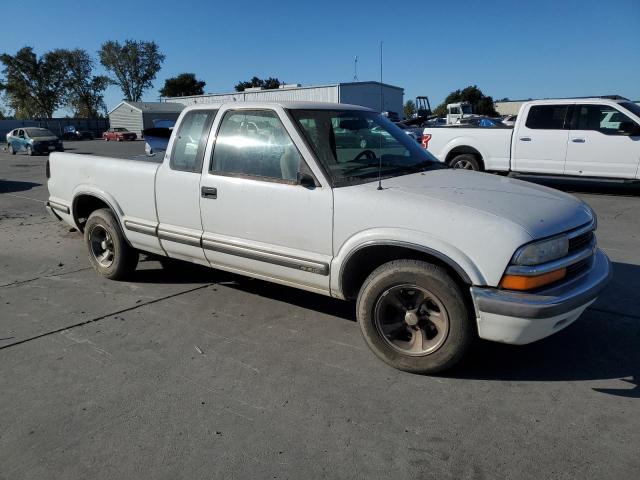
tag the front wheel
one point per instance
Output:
(414, 317)
(29, 151)
(465, 161)
(11, 150)
(109, 253)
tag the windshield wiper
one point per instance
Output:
(420, 167)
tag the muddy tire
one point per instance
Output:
(109, 253)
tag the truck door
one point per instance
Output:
(540, 140)
(264, 212)
(178, 188)
(598, 147)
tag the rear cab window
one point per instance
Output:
(547, 117)
(190, 141)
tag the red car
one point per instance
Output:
(118, 134)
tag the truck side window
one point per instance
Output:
(601, 118)
(547, 117)
(190, 141)
(254, 143)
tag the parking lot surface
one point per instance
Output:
(201, 374)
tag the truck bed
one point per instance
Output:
(129, 180)
(493, 144)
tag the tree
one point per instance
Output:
(34, 87)
(481, 104)
(183, 85)
(84, 93)
(267, 84)
(134, 65)
(409, 109)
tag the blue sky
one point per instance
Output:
(512, 49)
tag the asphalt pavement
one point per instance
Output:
(195, 373)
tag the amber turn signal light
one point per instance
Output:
(520, 282)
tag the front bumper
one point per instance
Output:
(520, 318)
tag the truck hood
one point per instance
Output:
(539, 210)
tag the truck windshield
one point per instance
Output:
(352, 145)
(38, 132)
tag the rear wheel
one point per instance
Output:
(11, 150)
(109, 253)
(414, 317)
(466, 161)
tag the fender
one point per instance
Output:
(463, 142)
(415, 240)
(94, 191)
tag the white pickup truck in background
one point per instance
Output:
(337, 200)
(586, 137)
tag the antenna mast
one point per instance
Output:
(355, 69)
(381, 109)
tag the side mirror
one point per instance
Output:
(629, 128)
(306, 180)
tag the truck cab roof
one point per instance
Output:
(289, 105)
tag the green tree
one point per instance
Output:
(409, 109)
(84, 93)
(481, 103)
(133, 65)
(34, 87)
(267, 84)
(183, 85)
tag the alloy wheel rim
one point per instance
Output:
(464, 164)
(412, 320)
(102, 247)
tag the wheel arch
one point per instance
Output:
(461, 149)
(86, 202)
(365, 258)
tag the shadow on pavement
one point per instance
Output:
(10, 186)
(602, 344)
(174, 271)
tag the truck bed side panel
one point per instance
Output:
(128, 186)
(493, 144)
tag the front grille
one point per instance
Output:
(580, 242)
(577, 268)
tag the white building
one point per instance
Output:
(137, 116)
(367, 94)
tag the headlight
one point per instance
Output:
(542, 252)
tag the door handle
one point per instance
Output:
(209, 192)
(525, 139)
(577, 140)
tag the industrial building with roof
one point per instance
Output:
(375, 95)
(137, 116)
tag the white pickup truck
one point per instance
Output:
(286, 192)
(586, 137)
